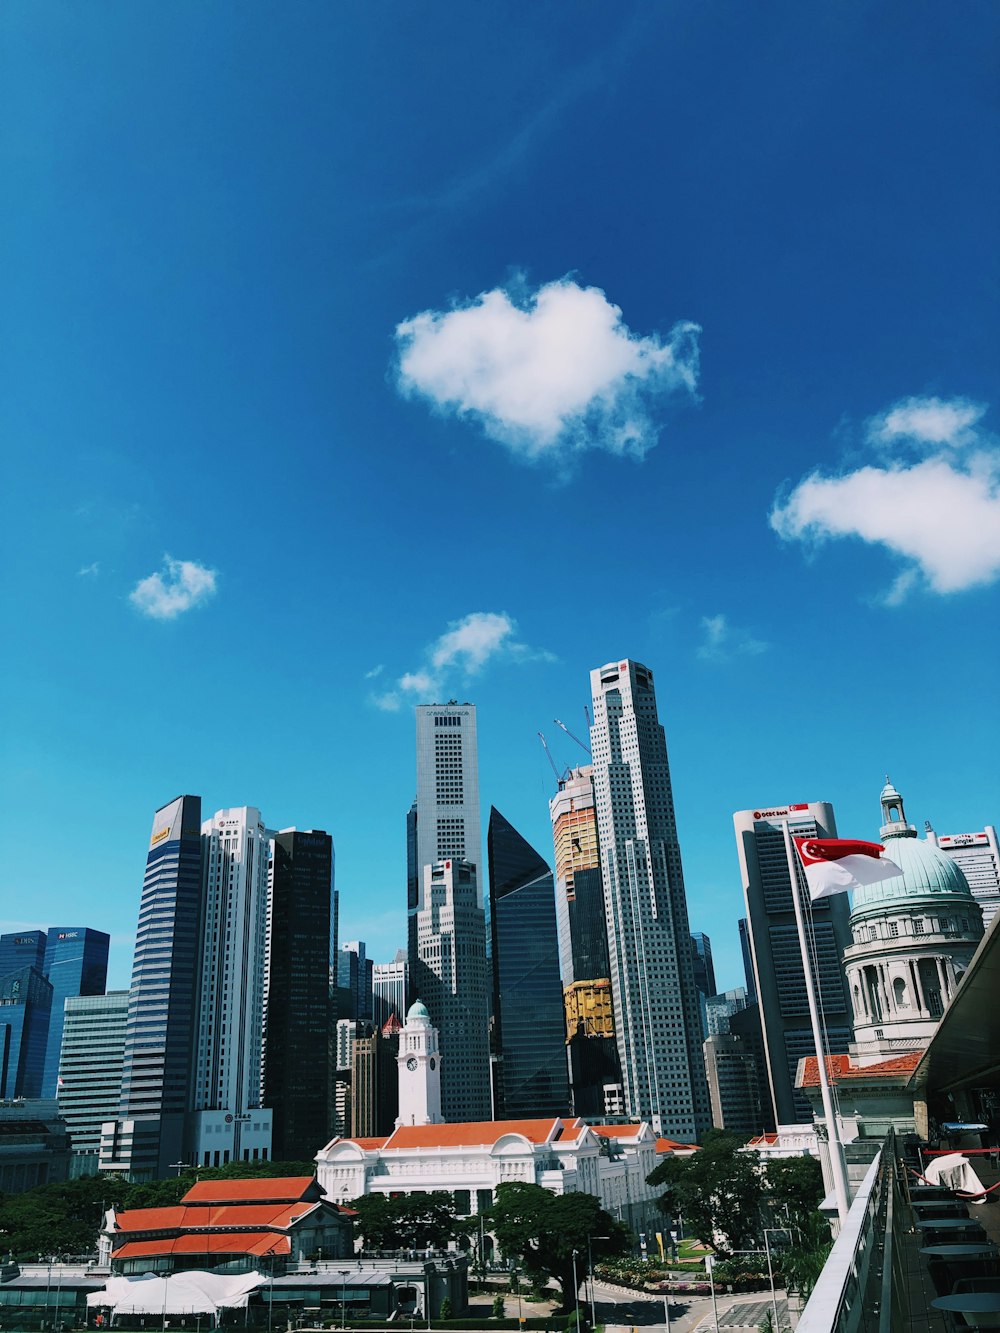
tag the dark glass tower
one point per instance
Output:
(159, 1037)
(527, 994)
(26, 949)
(76, 963)
(300, 1021)
(25, 1005)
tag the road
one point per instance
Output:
(620, 1312)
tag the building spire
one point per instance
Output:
(894, 823)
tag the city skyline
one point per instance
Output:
(730, 280)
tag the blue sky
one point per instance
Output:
(352, 352)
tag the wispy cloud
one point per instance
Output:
(462, 651)
(938, 513)
(549, 372)
(375, 671)
(89, 571)
(178, 587)
(721, 641)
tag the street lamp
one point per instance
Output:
(710, 1265)
(590, 1266)
(343, 1296)
(576, 1292)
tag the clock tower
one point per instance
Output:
(419, 1062)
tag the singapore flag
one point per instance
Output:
(834, 865)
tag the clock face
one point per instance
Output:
(411, 1064)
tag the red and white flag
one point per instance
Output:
(834, 865)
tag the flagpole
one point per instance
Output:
(837, 1169)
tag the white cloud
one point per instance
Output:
(179, 586)
(89, 571)
(940, 514)
(375, 671)
(547, 373)
(465, 647)
(723, 641)
(926, 421)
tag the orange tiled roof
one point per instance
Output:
(616, 1131)
(151, 1219)
(474, 1134)
(762, 1141)
(217, 1216)
(219, 1242)
(274, 1189)
(670, 1145)
(839, 1068)
(369, 1145)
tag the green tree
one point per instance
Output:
(718, 1191)
(498, 1307)
(409, 1221)
(545, 1231)
(803, 1263)
(795, 1183)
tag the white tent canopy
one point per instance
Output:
(189, 1293)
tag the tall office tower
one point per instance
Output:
(375, 1080)
(354, 981)
(720, 1008)
(76, 963)
(23, 949)
(227, 1121)
(977, 855)
(451, 978)
(736, 1069)
(148, 1134)
(90, 1071)
(298, 1051)
(657, 1018)
(774, 944)
(443, 822)
(704, 973)
(583, 945)
(25, 1008)
(528, 1012)
(747, 955)
(390, 986)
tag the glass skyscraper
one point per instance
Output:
(76, 963)
(528, 1013)
(90, 1071)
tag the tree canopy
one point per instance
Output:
(543, 1231)
(795, 1183)
(718, 1191)
(415, 1221)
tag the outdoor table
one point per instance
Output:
(981, 1309)
(949, 1224)
(942, 1207)
(984, 1249)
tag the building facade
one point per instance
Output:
(531, 1077)
(779, 981)
(300, 1020)
(390, 988)
(451, 977)
(90, 1072)
(25, 1013)
(148, 1134)
(355, 979)
(443, 823)
(657, 1018)
(977, 855)
(76, 963)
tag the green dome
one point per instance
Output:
(417, 1010)
(927, 873)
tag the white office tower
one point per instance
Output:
(389, 986)
(443, 823)
(227, 1122)
(452, 981)
(657, 1013)
(977, 855)
(419, 1061)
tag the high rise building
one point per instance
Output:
(354, 981)
(227, 1121)
(148, 1134)
(737, 1072)
(298, 1052)
(774, 944)
(443, 822)
(583, 945)
(390, 987)
(24, 948)
(528, 1012)
(76, 963)
(90, 1071)
(25, 1009)
(452, 980)
(977, 855)
(375, 1080)
(704, 973)
(657, 1019)
(747, 955)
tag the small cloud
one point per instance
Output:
(375, 671)
(937, 421)
(178, 587)
(940, 515)
(547, 373)
(466, 646)
(722, 641)
(89, 571)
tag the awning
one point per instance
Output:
(189, 1293)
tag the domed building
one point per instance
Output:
(913, 937)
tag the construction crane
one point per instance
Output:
(571, 736)
(560, 777)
